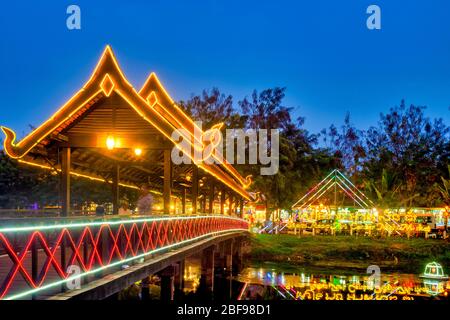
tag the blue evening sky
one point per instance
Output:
(320, 50)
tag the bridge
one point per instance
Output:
(95, 258)
(113, 134)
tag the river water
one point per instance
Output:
(272, 284)
(299, 283)
(304, 283)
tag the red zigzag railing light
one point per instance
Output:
(94, 246)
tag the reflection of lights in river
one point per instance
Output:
(303, 286)
(279, 292)
(355, 279)
(434, 287)
(260, 273)
(191, 276)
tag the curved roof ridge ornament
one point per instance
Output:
(154, 91)
(107, 68)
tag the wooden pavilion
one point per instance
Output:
(110, 132)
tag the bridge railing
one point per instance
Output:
(41, 256)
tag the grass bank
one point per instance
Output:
(347, 252)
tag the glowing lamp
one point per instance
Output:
(434, 270)
(110, 142)
(138, 151)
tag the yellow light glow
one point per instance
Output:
(138, 151)
(110, 142)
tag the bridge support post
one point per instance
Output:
(167, 283)
(206, 286)
(179, 280)
(145, 289)
(224, 267)
(237, 256)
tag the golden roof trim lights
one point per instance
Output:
(152, 103)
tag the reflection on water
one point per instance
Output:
(273, 285)
(191, 275)
(311, 284)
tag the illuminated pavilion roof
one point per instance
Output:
(334, 181)
(108, 104)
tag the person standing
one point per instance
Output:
(124, 209)
(145, 201)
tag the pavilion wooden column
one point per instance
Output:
(167, 181)
(222, 201)
(115, 188)
(211, 198)
(194, 189)
(230, 203)
(65, 181)
(241, 208)
(183, 201)
(203, 203)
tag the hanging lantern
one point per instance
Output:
(110, 142)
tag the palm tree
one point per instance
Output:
(444, 190)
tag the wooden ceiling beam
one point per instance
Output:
(126, 141)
